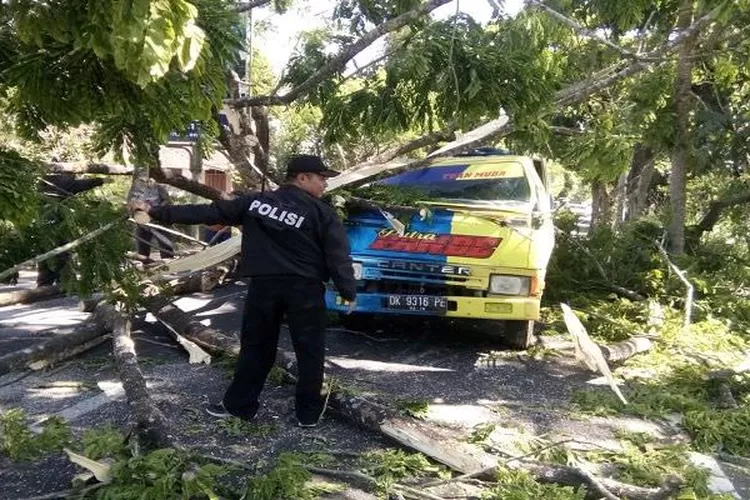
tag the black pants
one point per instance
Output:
(144, 236)
(48, 271)
(268, 300)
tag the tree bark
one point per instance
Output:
(421, 142)
(67, 342)
(246, 139)
(213, 341)
(601, 207)
(90, 168)
(252, 4)
(681, 152)
(156, 172)
(618, 204)
(339, 61)
(713, 214)
(151, 428)
(639, 181)
(189, 185)
(31, 295)
(626, 349)
(262, 149)
(570, 476)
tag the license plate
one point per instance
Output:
(417, 303)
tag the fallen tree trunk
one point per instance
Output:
(211, 340)
(67, 343)
(151, 428)
(199, 282)
(420, 436)
(741, 368)
(71, 341)
(90, 168)
(572, 476)
(625, 349)
(30, 295)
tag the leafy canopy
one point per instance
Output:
(138, 69)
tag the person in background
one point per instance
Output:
(292, 243)
(216, 233)
(154, 194)
(58, 187)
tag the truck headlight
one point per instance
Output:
(509, 285)
(357, 267)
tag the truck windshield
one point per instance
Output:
(462, 183)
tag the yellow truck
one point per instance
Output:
(479, 252)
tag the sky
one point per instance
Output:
(279, 42)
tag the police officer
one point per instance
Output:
(292, 243)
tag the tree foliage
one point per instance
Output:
(138, 70)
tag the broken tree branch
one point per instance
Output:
(151, 428)
(499, 128)
(61, 249)
(244, 7)
(29, 295)
(170, 231)
(571, 476)
(595, 485)
(582, 30)
(358, 479)
(339, 61)
(724, 397)
(89, 168)
(741, 368)
(181, 182)
(67, 342)
(715, 209)
(682, 275)
(421, 142)
(626, 349)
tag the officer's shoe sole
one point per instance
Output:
(219, 411)
(307, 425)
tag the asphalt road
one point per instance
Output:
(461, 378)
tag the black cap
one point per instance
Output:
(298, 164)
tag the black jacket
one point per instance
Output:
(286, 232)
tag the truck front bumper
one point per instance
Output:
(500, 308)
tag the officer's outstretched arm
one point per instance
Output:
(338, 258)
(225, 212)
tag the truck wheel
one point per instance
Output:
(519, 334)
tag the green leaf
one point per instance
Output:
(192, 45)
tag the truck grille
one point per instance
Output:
(404, 287)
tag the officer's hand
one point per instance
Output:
(141, 217)
(138, 206)
(352, 306)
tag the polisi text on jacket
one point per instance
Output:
(272, 212)
(424, 267)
